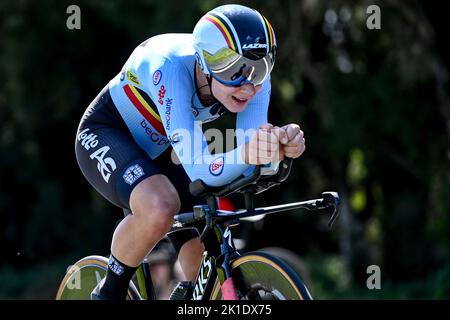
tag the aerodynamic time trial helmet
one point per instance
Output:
(235, 45)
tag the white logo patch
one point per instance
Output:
(87, 140)
(115, 266)
(254, 46)
(202, 280)
(133, 173)
(105, 165)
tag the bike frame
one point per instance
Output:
(216, 262)
(145, 283)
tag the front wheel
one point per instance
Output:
(82, 278)
(260, 276)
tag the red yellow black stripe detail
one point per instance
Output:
(270, 32)
(136, 97)
(154, 110)
(224, 29)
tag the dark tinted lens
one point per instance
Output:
(244, 70)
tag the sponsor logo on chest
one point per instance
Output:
(216, 167)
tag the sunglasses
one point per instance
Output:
(233, 69)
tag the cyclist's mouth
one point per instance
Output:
(238, 100)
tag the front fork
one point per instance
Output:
(223, 263)
(227, 254)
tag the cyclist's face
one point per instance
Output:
(235, 99)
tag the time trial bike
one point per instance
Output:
(224, 273)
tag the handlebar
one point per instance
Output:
(249, 186)
(199, 213)
(329, 199)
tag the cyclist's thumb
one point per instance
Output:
(282, 136)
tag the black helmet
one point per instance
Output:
(235, 44)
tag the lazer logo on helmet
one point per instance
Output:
(254, 46)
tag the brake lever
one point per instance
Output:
(331, 199)
(333, 217)
(208, 226)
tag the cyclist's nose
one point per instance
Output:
(249, 89)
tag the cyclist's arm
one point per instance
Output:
(186, 135)
(255, 114)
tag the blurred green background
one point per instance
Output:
(374, 106)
